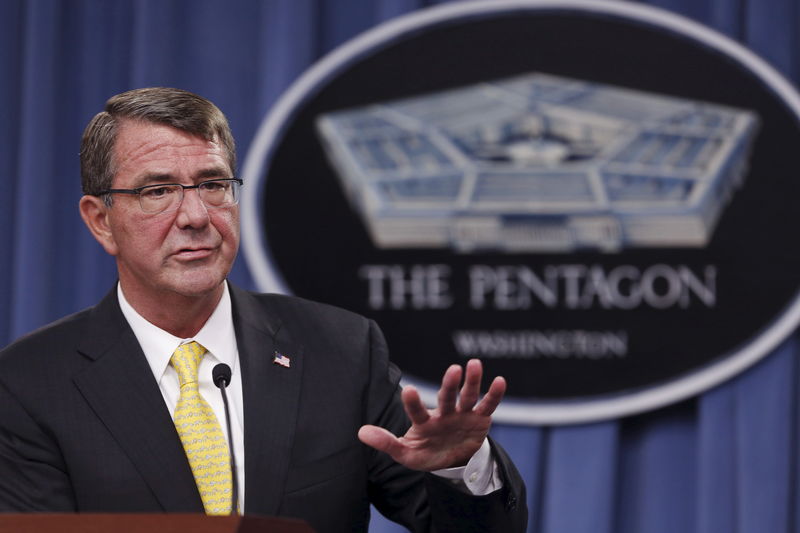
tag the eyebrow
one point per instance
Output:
(208, 173)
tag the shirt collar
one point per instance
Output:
(217, 335)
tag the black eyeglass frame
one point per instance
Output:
(138, 191)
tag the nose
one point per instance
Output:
(192, 213)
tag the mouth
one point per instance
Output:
(193, 254)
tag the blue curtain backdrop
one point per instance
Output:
(725, 461)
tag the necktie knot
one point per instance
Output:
(186, 361)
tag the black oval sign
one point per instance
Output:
(594, 199)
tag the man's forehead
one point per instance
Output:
(137, 137)
(149, 148)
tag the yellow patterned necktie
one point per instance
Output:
(201, 433)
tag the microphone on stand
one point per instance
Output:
(221, 376)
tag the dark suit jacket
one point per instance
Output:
(83, 425)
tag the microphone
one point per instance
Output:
(221, 375)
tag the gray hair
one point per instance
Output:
(160, 105)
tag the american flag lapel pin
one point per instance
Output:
(280, 359)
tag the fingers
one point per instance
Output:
(472, 385)
(471, 390)
(415, 409)
(448, 393)
(493, 397)
(450, 400)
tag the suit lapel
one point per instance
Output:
(120, 388)
(271, 394)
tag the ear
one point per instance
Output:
(94, 213)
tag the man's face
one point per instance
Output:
(188, 252)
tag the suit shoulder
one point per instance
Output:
(65, 331)
(301, 308)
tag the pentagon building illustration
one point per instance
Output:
(539, 163)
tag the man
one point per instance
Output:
(113, 409)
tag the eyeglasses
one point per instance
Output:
(165, 197)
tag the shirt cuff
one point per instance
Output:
(479, 477)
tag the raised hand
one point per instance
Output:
(448, 435)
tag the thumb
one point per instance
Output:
(379, 438)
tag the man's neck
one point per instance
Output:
(178, 314)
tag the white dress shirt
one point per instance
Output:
(479, 476)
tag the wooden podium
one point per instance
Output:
(147, 523)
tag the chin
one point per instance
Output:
(196, 288)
